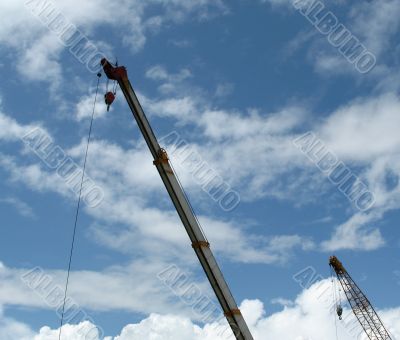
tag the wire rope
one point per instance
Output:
(77, 210)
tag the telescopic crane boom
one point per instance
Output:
(182, 205)
(362, 308)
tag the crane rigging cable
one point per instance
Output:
(335, 300)
(336, 296)
(78, 209)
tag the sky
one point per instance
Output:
(299, 127)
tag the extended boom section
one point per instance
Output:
(362, 308)
(182, 205)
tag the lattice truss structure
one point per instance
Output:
(362, 308)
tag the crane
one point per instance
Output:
(182, 205)
(362, 308)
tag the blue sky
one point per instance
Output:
(239, 82)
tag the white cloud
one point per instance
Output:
(182, 108)
(265, 139)
(161, 327)
(376, 22)
(38, 51)
(171, 84)
(133, 287)
(353, 132)
(82, 331)
(10, 130)
(224, 89)
(40, 61)
(129, 192)
(364, 129)
(119, 177)
(158, 72)
(11, 330)
(309, 316)
(23, 208)
(363, 134)
(84, 106)
(215, 123)
(356, 234)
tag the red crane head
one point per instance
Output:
(114, 73)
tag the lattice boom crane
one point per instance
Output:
(182, 205)
(362, 308)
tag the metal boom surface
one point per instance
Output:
(182, 205)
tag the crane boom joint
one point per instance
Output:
(232, 313)
(162, 157)
(200, 244)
